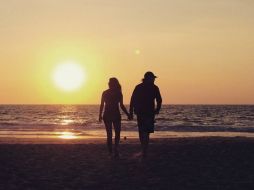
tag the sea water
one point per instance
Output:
(82, 121)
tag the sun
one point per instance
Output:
(69, 76)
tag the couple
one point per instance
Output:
(142, 103)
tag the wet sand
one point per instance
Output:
(177, 163)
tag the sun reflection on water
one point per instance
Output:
(68, 135)
(66, 121)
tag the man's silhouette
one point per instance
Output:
(143, 105)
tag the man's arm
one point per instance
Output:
(132, 103)
(158, 100)
(101, 107)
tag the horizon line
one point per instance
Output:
(46, 104)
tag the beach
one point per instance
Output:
(172, 163)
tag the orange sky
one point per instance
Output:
(202, 50)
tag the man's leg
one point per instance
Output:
(144, 141)
(141, 138)
(143, 134)
(146, 138)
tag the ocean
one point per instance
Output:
(81, 121)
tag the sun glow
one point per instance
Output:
(68, 135)
(69, 76)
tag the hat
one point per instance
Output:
(149, 75)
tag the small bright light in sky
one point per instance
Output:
(69, 76)
(137, 51)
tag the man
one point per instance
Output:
(143, 105)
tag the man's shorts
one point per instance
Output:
(145, 123)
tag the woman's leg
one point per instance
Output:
(108, 126)
(117, 127)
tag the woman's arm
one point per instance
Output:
(101, 107)
(123, 107)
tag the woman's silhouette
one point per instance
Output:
(111, 116)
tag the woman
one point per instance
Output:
(111, 116)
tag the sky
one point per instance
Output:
(201, 50)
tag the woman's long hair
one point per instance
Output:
(114, 85)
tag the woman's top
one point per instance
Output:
(112, 99)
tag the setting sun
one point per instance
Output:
(69, 76)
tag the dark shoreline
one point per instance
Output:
(177, 163)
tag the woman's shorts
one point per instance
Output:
(112, 118)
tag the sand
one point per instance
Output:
(177, 163)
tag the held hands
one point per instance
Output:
(156, 112)
(130, 117)
(100, 118)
